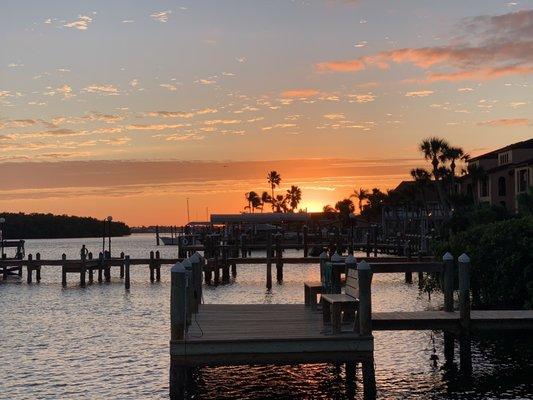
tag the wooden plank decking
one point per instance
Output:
(265, 333)
(279, 333)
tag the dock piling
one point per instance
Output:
(447, 261)
(269, 262)
(364, 273)
(29, 269)
(127, 272)
(64, 271)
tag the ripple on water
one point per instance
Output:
(102, 342)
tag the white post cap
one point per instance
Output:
(350, 260)
(463, 258)
(323, 256)
(447, 257)
(178, 267)
(363, 265)
(196, 257)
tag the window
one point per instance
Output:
(484, 190)
(504, 158)
(523, 180)
(502, 189)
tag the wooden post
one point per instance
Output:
(306, 240)
(465, 350)
(29, 268)
(190, 300)
(100, 266)
(269, 262)
(91, 272)
(323, 257)
(197, 264)
(279, 259)
(407, 252)
(234, 270)
(449, 350)
(83, 269)
(368, 248)
(127, 272)
(369, 379)
(64, 271)
(216, 265)
(157, 266)
(178, 301)
(38, 268)
(420, 274)
(151, 265)
(157, 235)
(364, 274)
(122, 265)
(244, 253)
(375, 234)
(447, 261)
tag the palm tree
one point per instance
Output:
(452, 154)
(328, 209)
(279, 203)
(361, 194)
(477, 174)
(266, 198)
(274, 179)
(252, 199)
(434, 149)
(294, 196)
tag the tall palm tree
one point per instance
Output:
(274, 179)
(434, 149)
(328, 209)
(294, 196)
(360, 195)
(452, 154)
(265, 199)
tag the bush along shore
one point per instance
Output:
(49, 226)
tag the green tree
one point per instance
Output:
(434, 150)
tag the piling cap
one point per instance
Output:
(178, 267)
(323, 256)
(336, 258)
(463, 258)
(196, 257)
(351, 261)
(447, 257)
(363, 265)
(187, 264)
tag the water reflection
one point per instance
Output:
(101, 341)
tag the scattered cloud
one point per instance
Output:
(108, 90)
(340, 66)
(82, 23)
(506, 122)
(169, 86)
(300, 93)
(161, 16)
(334, 117)
(361, 98)
(420, 93)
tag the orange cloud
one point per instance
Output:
(505, 122)
(300, 93)
(340, 66)
(480, 74)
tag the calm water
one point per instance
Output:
(100, 341)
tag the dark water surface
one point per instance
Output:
(102, 342)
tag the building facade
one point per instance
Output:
(506, 173)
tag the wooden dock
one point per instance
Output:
(219, 334)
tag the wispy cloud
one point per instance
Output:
(108, 90)
(161, 16)
(300, 93)
(419, 93)
(506, 122)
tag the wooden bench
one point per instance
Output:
(311, 292)
(333, 305)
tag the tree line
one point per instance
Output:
(287, 202)
(49, 226)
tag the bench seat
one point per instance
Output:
(335, 304)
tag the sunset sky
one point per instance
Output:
(128, 108)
